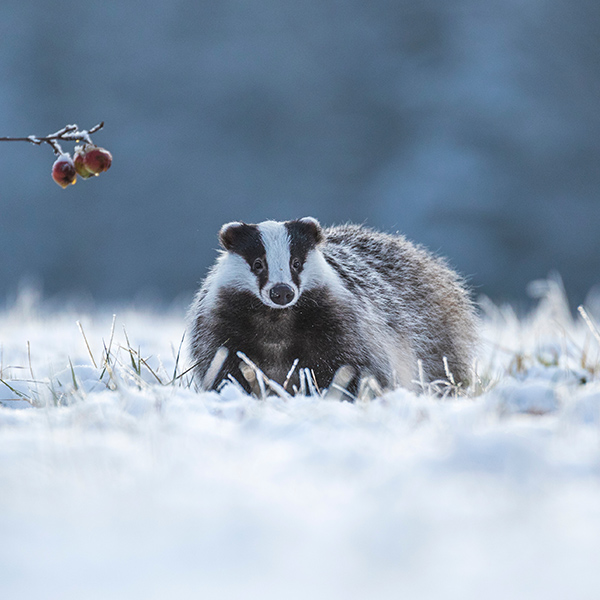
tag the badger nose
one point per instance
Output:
(281, 294)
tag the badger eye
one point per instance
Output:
(296, 264)
(258, 265)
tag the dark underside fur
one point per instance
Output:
(273, 338)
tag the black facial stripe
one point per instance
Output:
(302, 240)
(263, 276)
(246, 241)
(296, 277)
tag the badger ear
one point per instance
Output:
(229, 233)
(312, 228)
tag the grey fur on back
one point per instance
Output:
(372, 300)
(418, 294)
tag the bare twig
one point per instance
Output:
(29, 358)
(20, 395)
(448, 372)
(213, 369)
(589, 322)
(310, 382)
(86, 343)
(262, 379)
(177, 357)
(107, 350)
(290, 373)
(69, 133)
(338, 387)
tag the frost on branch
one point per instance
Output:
(89, 160)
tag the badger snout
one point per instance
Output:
(281, 294)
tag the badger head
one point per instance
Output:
(268, 259)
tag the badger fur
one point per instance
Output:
(344, 295)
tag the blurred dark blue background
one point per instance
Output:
(473, 128)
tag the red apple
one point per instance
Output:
(78, 160)
(96, 160)
(63, 170)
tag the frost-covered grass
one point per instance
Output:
(124, 482)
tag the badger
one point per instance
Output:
(294, 293)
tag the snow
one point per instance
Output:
(118, 486)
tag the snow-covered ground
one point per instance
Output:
(118, 486)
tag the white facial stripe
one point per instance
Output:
(231, 271)
(277, 246)
(276, 241)
(318, 272)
